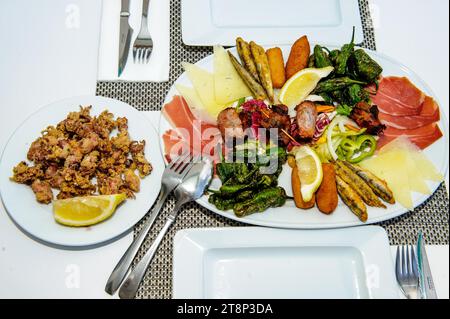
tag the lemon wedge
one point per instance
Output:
(86, 211)
(301, 84)
(309, 170)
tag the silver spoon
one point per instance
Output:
(191, 189)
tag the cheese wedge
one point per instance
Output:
(229, 86)
(203, 82)
(405, 168)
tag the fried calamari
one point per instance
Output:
(81, 156)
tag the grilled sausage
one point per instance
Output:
(306, 119)
(229, 123)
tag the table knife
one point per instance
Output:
(426, 283)
(126, 32)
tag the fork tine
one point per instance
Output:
(185, 167)
(188, 167)
(404, 262)
(179, 160)
(139, 55)
(408, 260)
(134, 54)
(398, 263)
(147, 55)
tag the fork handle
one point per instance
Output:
(131, 284)
(145, 6)
(124, 264)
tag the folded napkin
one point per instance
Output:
(157, 70)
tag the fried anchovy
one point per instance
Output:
(245, 54)
(352, 199)
(359, 185)
(255, 87)
(379, 186)
(262, 66)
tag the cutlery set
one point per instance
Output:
(413, 271)
(143, 45)
(187, 177)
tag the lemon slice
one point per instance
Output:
(309, 170)
(86, 211)
(301, 84)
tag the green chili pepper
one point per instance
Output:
(365, 66)
(333, 55)
(221, 203)
(269, 197)
(321, 57)
(327, 97)
(362, 146)
(343, 57)
(336, 84)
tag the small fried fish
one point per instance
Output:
(256, 88)
(379, 186)
(263, 68)
(359, 185)
(352, 199)
(245, 54)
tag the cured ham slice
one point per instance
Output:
(188, 132)
(398, 94)
(429, 107)
(406, 111)
(409, 122)
(423, 136)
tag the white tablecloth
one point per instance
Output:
(57, 57)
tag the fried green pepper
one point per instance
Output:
(365, 66)
(222, 203)
(321, 57)
(333, 56)
(355, 93)
(345, 54)
(336, 84)
(269, 197)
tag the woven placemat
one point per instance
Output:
(431, 217)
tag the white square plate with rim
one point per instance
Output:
(268, 263)
(211, 22)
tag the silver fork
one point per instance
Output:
(173, 176)
(407, 272)
(143, 45)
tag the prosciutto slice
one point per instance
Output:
(423, 136)
(409, 122)
(405, 110)
(398, 96)
(188, 133)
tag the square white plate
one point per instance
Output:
(253, 262)
(211, 22)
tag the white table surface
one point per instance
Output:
(60, 60)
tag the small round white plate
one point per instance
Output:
(289, 216)
(37, 219)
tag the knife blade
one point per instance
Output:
(426, 283)
(126, 32)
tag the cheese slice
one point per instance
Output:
(416, 180)
(203, 82)
(391, 167)
(426, 168)
(405, 168)
(229, 86)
